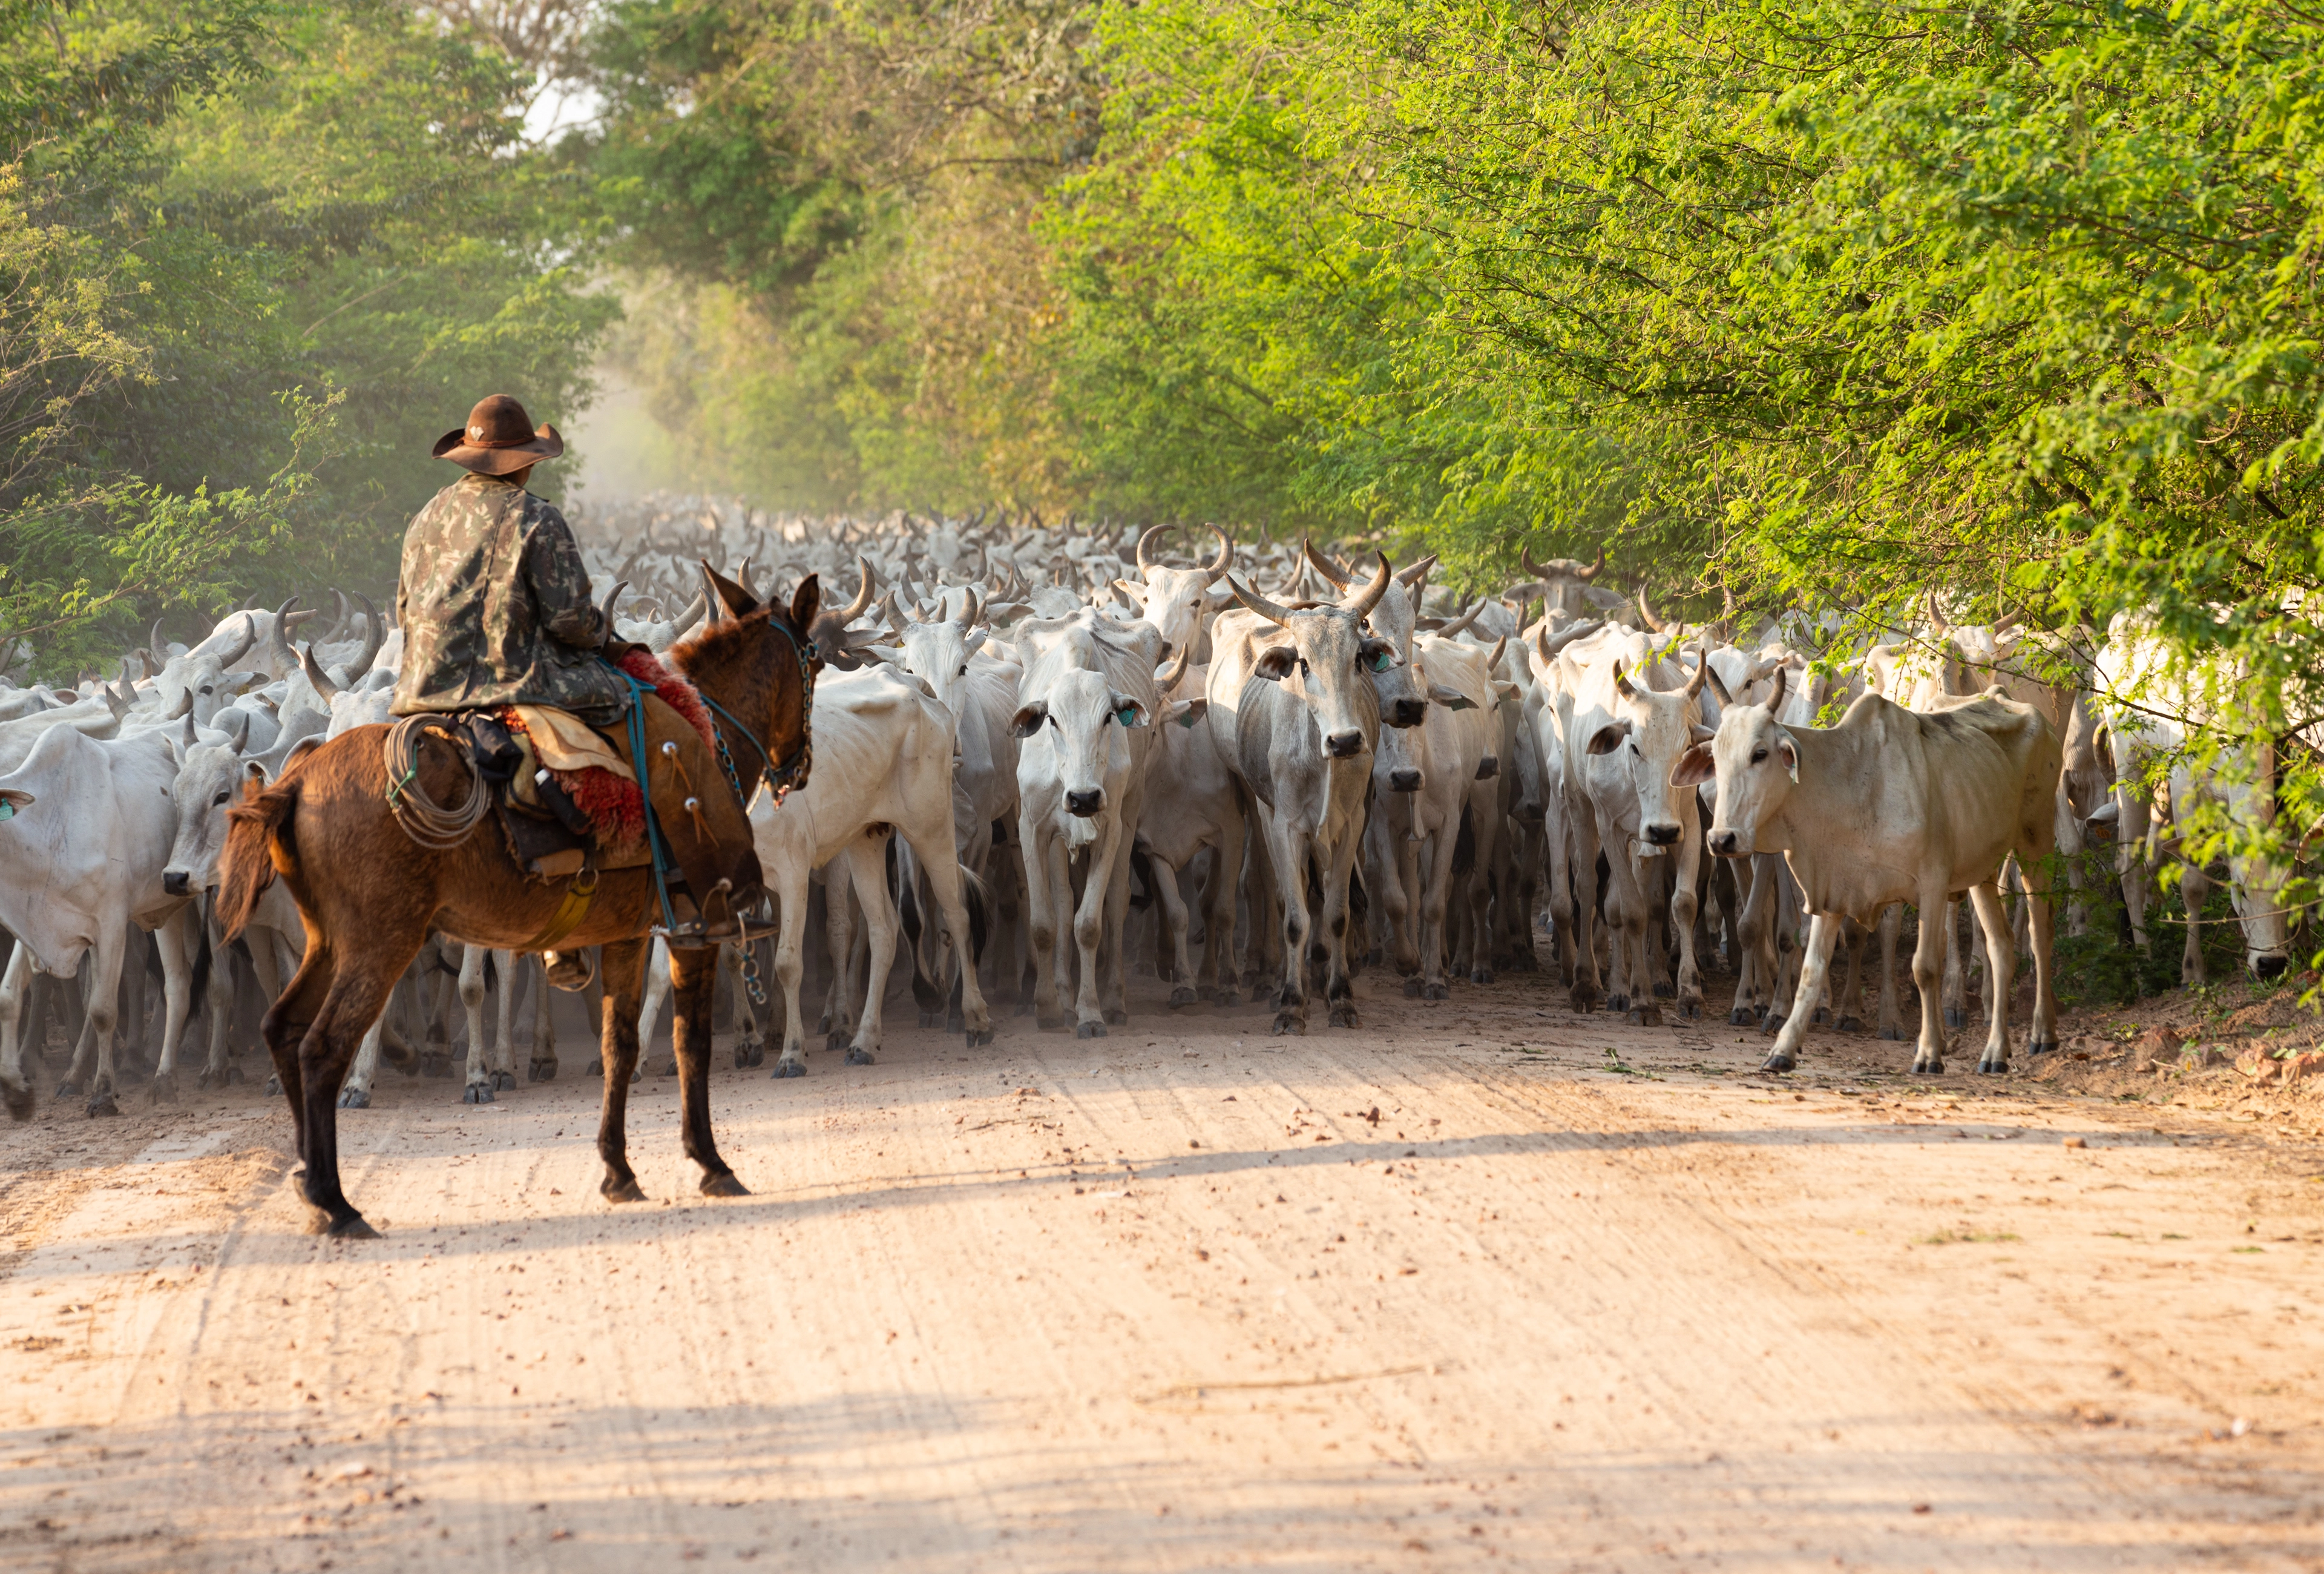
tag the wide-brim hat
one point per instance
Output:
(499, 438)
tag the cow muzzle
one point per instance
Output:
(174, 882)
(2269, 966)
(1725, 844)
(1082, 805)
(1407, 780)
(1662, 836)
(1344, 745)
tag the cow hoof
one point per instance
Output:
(165, 1088)
(1690, 1008)
(205, 1077)
(1411, 987)
(1581, 997)
(1345, 1017)
(540, 1070)
(1118, 1017)
(477, 1093)
(1618, 1003)
(1288, 1021)
(274, 1086)
(1993, 1066)
(1778, 1062)
(20, 1103)
(625, 1190)
(103, 1103)
(594, 1069)
(858, 1056)
(1892, 1036)
(350, 1226)
(1851, 1024)
(758, 1054)
(1664, 991)
(1741, 1016)
(1644, 1016)
(354, 1098)
(435, 1065)
(2042, 1047)
(1480, 975)
(1822, 1017)
(977, 1038)
(723, 1184)
(1206, 993)
(1927, 1066)
(931, 1019)
(637, 1073)
(1435, 992)
(787, 1067)
(1024, 1008)
(1182, 996)
(741, 1056)
(1956, 1019)
(68, 1087)
(1089, 1030)
(1773, 1022)
(834, 1043)
(1250, 978)
(504, 1081)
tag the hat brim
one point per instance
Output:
(544, 444)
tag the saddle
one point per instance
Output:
(569, 803)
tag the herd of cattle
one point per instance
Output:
(1255, 767)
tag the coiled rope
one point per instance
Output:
(428, 823)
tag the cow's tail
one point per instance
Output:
(977, 897)
(258, 846)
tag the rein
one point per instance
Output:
(789, 775)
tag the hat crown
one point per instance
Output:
(499, 422)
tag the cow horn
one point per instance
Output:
(1622, 684)
(693, 613)
(888, 610)
(969, 611)
(375, 636)
(300, 619)
(1322, 565)
(1224, 560)
(185, 706)
(339, 617)
(1646, 612)
(743, 579)
(187, 737)
(1775, 699)
(1493, 661)
(1538, 570)
(1589, 573)
(612, 595)
(1253, 601)
(1167, 677)
(1412, 575)
(237, 732)
(1361, 606)
(1459, 623)
(1718, 684)
(249, 638)
(322, 686)
(2009, 620)
(1701, 671)
(1146, 546)
(1937, 617)
(713, 609)
(1551, 644)
(863, 590)
(153, 643)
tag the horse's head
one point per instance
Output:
(757, 661)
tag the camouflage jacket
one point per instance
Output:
(494, 601)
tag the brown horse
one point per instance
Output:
(370, 897)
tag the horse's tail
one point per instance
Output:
(258, 846)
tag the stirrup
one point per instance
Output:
(570, 970)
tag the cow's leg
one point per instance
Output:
(1221, 895)
(218, 1066)
(790, 935)
(1263, 953)
(1686, 905)
(694, 988)
(1288, 850)
(1586, 993)
(1339, 988)
(866, 864)
(479, 1086)
(2195, 892)
(104, 1022)
(504, 1046)
(1847, 1001)
(355, 1092)
(1956, 986)
(1113, 950)
(1089, 928)
(1928, 978)
(2001, 952)
(1045, 874)
(1755, 968)
(1815, 963)
(621, 966)
(1428, 866)
(1485, 830)
(748, 1049)
(653, 993)
(1173, 904)
(2042, 1038)
(14, 1087)
(1892, 927)
(839, 940)
(1626, 927)
(176, 941)
(1790, 918)
(1554, 842)
(542, 1066)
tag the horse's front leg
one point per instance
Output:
(621, 966)
(693, 986)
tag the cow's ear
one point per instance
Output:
(1693, 768)
(1132, 588)
(1452, 699)
(807, 601)
(1376, 656)
(16, 798)
(1129, 711)
(1028, 718)
(1187, 712)
(1609, 738)
(1276, 661)
(1703, 735)
(1788, 752)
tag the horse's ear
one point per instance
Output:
(806, 602)
(730, 599)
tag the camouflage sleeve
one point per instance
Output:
(560, 583)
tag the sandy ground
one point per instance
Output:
(1483, 1284)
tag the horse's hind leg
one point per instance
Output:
(693, 977)
(621, 966)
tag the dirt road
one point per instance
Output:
(1484, 1285)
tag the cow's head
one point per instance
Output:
(1563, 585)
(1401, 684)
(210, 778)
(1755, 762)
(1175, 599)
(1324, 659)
(1644, 737)
(939, 652)
(1083, 721)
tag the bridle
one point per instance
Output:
(786, 775)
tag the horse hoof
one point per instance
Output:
(165, 1088)
(723, 1184)
(1741, 1016)
(1090, 1030)
(477, 1093)
(354, 1098)
(1288, 1021)
(504, 1081)
(1778, 1062)
(787, 1067)
(349, 1227)
(1116, 1017)
(1851, 1024)
(1182, 996)
(856, 1057)
(542, 1070)
(1956, 1019)
(2042, 1047)
(103, 1103)
(625, 1190)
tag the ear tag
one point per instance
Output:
(1188, 719)
(1382, 661)
(8, 809)
(1464, 703)
(1127, 715)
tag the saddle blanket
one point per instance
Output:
(593, 772)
